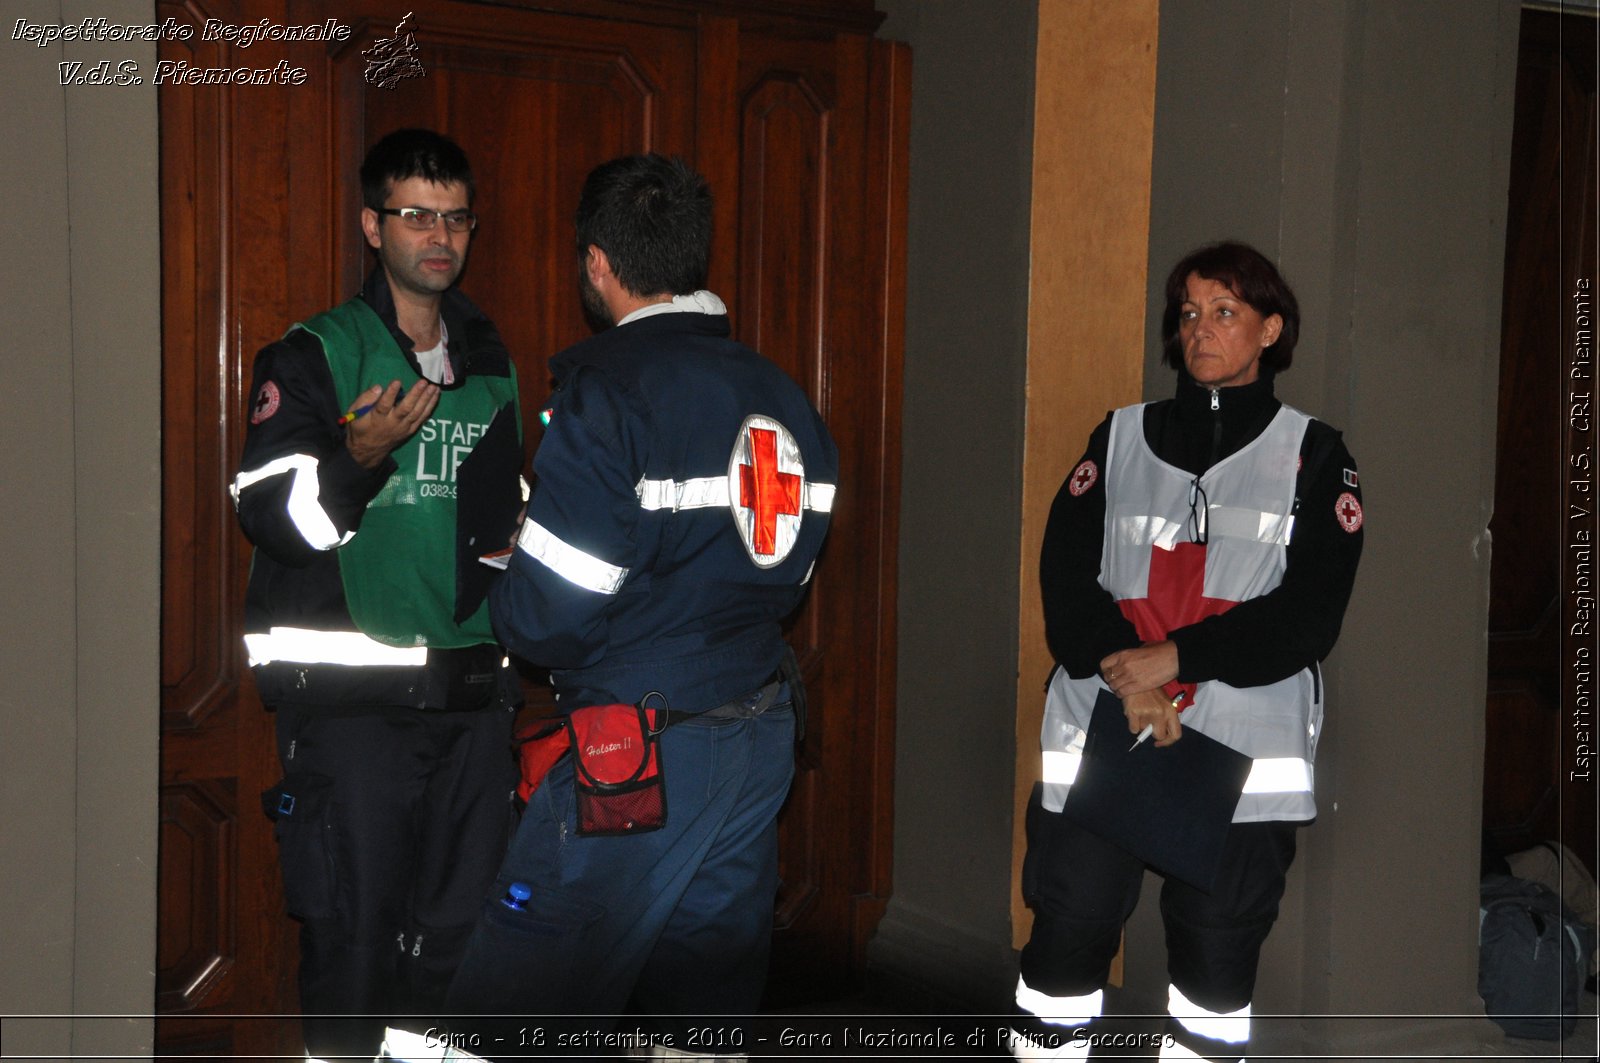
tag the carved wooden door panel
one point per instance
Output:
(803, 136)
(820, 122)
(223, 944)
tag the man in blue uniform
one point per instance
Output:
(368, 634)
(684, 486)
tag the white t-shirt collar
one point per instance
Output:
(700, 302)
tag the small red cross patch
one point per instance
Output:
(1348, 510)
(266, 404)
(1083, 478)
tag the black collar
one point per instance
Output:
(1241, 403)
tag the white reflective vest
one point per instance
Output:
(1245, 506)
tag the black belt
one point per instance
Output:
(750, 706)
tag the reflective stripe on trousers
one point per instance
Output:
(1069, 1013)
(1204, 1034)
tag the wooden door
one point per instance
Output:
(799, 122)
(1542, 642)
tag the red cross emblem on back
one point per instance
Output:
(1175, 596)
(767, 509)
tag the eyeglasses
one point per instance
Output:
(457, 221)
(1199, 507)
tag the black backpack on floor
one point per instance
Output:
(1533, 958)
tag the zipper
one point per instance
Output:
(1216, 427)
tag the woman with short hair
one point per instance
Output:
(1195, 572)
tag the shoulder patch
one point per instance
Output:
(1350, 478)
(1348, 510)
(766, 475)
(266, 402)
(1083, 477)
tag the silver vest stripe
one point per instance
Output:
(1061, 768)
(1279, 775)
(296, 645)
(1268, 775)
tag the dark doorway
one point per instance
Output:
(1539, 770)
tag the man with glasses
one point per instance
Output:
(366, 623)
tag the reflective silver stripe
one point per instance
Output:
(704, 492)
(1279, 775)
(1143, 529)
(1025, 1049)
(819, 497)
(1055, 1011)
(1230, 1026)
(297, 645)
(568, 562)
(1060, 767)
(708, 492)
(1059, 1011)
(1268, 775)
(305, 503)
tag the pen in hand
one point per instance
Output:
(362, 411)
(1150, 728)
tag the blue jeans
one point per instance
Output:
(677, 921)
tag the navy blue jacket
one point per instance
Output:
(631, 573)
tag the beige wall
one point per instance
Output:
(965, 380)
(1093, 121)
(1364, 146)
(80, 431)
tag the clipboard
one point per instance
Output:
(1169, 807)
(488, 499)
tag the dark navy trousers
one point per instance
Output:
(1082, 889)
(676, 921)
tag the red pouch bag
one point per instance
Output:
(539, 746)
(617, 768)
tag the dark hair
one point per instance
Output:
(1248, 274)
(651, 215)
(408, 153)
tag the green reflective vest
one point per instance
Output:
(399, 571)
